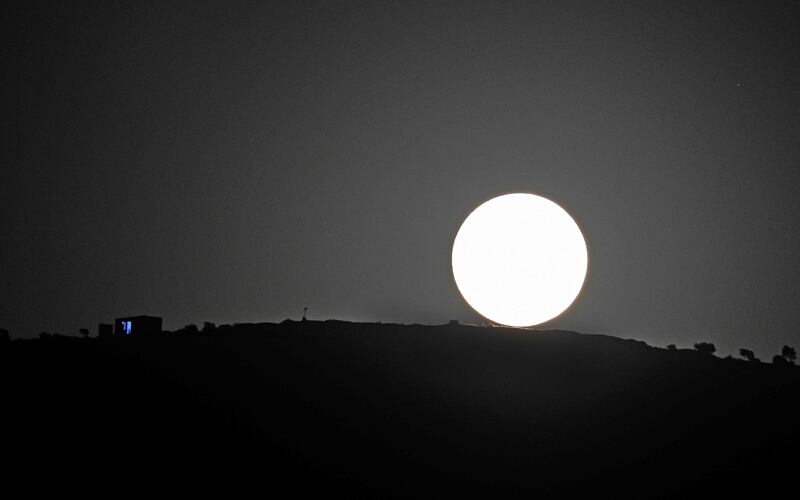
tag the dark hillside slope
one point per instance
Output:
(392, 410)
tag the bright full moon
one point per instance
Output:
(519, 259)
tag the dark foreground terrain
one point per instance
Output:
(388, 410)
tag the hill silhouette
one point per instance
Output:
(385, 410)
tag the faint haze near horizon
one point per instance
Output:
(237, 161)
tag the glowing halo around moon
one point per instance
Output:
(519, 260)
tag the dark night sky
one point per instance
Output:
(236, 162)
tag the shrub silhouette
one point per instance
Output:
(190, 329)
(672, 347)
(208, 327)
(789, 354)
(84, 332)
(4, 335)
(748, 354)
(705, 347)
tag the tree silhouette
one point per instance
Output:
(705, 347)
(4, 335)
(789, 354)
(208, 327)
(779, 360)
(748, 354)
(84, 332)
(672, 347)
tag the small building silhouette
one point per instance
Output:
(137, 325)
(104, 330)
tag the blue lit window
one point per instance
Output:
(126, 327)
